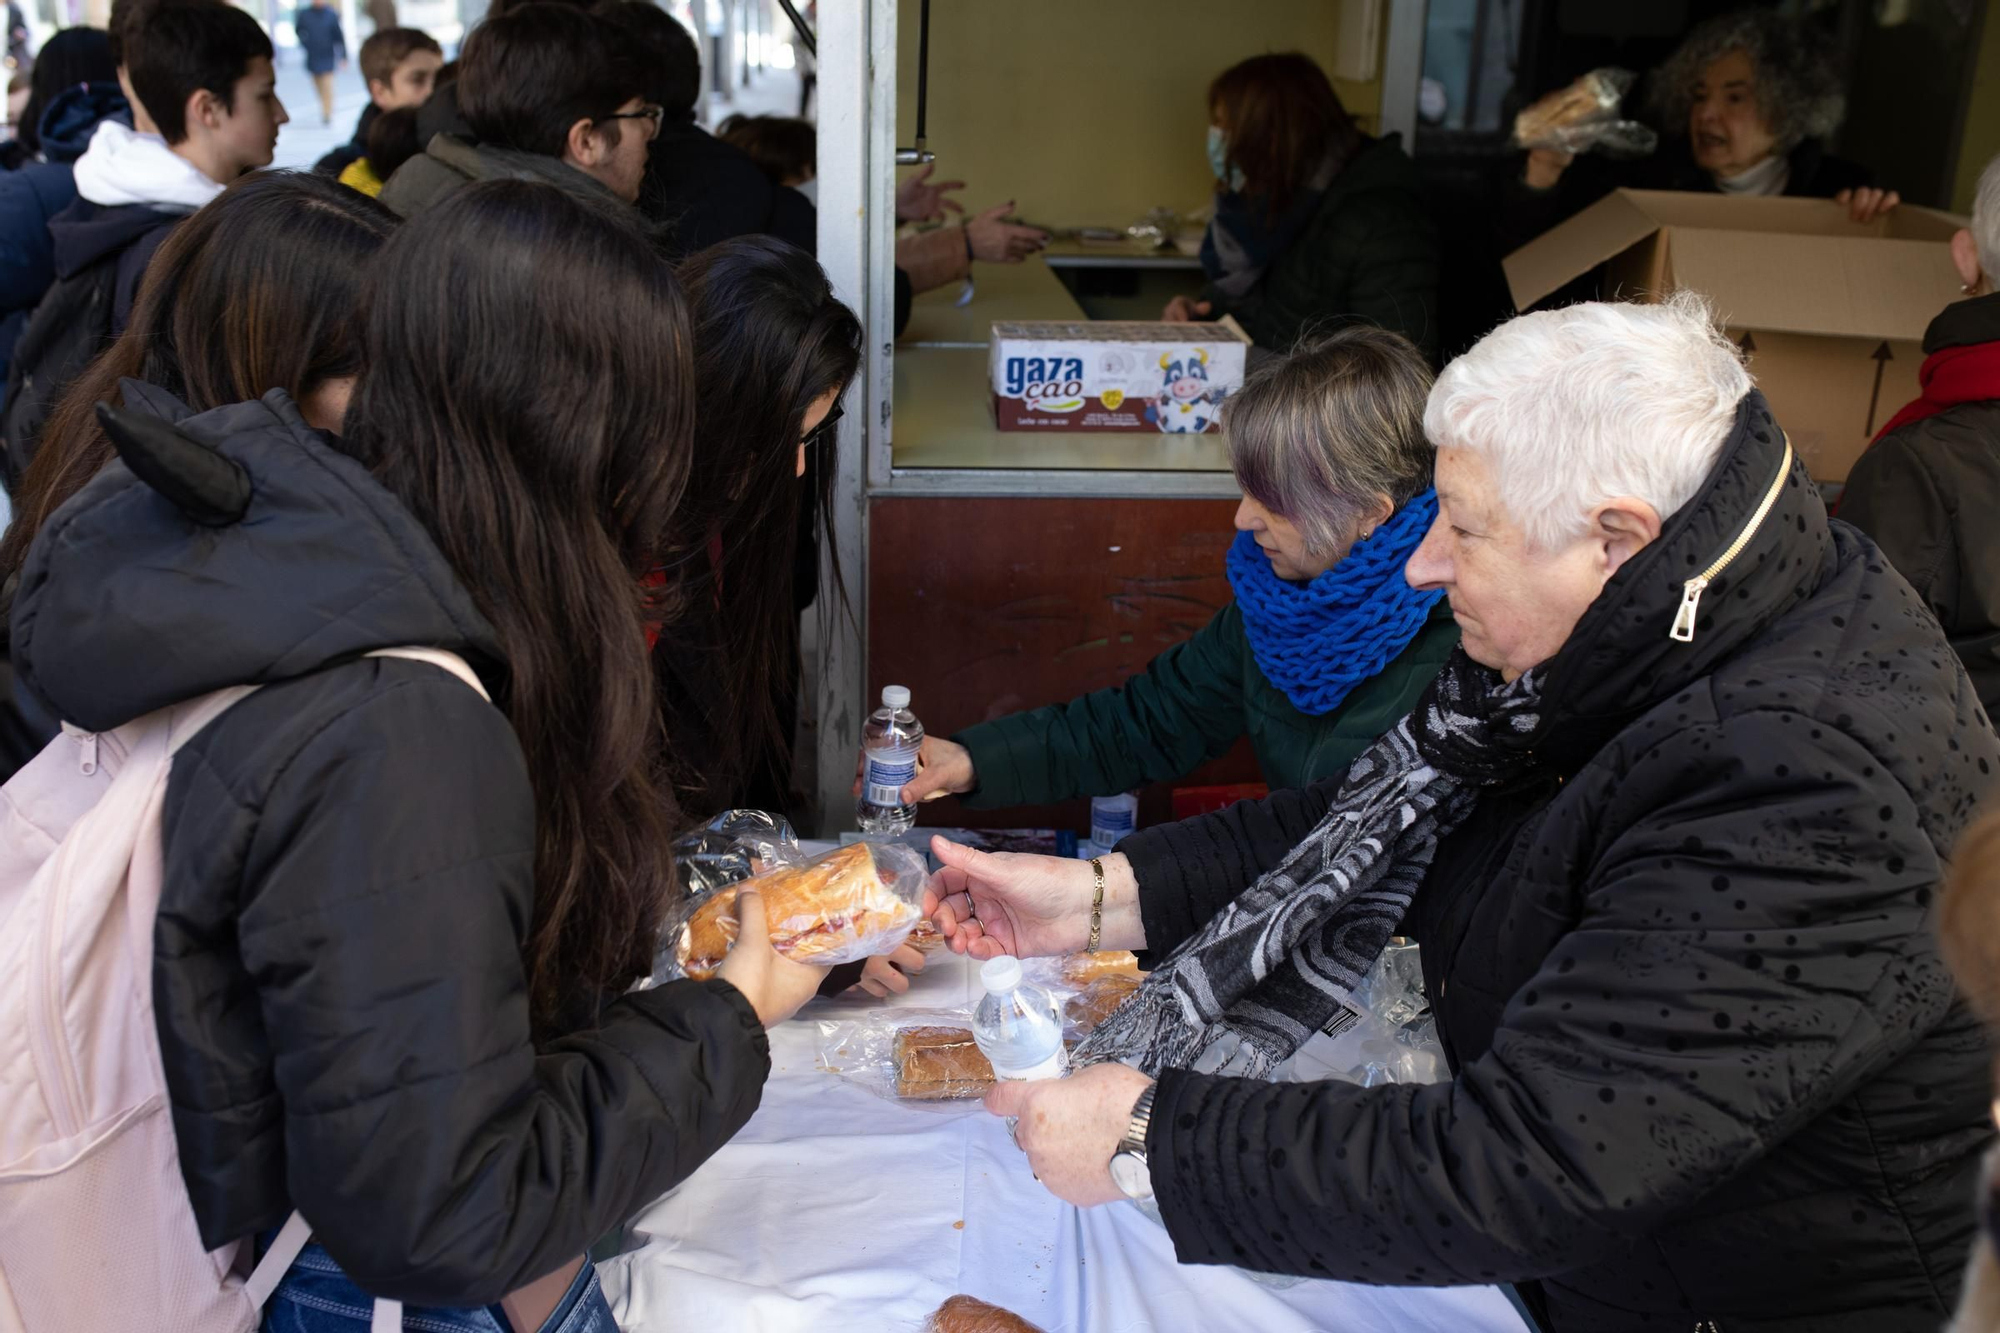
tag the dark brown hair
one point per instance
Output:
(528, 399)
(784, 147)
(1282, 117)
(526, 77)
(770, 338)
(385, 50)
(257, 291)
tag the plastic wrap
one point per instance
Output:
(919, 1057)
(927, 1058)
(968, 1314)
(851, 903)
(1586, 115)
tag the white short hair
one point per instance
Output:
(1576, 406)
(1986, 221)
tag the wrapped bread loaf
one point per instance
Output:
(1080, 969)
(1094, 1003)
(968, 1314)
(824, 907)
(940, 1064)
(1585, 100)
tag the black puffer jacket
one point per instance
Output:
(349, 852)
(1709, 1070)
(1929, 494)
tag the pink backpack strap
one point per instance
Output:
(438, 657)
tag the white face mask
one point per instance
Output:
(810, 190)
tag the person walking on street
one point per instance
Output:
(318, 27)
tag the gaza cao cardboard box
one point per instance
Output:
(1830, 313)
(1115, 375)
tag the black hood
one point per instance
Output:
(85, 232)
(126, 605)
(1620, 660)
(1965, 324)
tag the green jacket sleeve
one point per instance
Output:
(1184, 708)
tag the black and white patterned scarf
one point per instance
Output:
(1278, 963)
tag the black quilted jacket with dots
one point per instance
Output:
(1709, 1071)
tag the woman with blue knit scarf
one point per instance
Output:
(1325, 647)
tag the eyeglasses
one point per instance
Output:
(650, 113)
(823, 432)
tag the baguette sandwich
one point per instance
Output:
(812, 911)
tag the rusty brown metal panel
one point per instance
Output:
(990, 605)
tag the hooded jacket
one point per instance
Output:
(449, 163)
(1928, 493)
(30, 197)
(349, 862)
(131, 189)
(1708, 1068)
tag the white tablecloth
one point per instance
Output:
(836, 1210)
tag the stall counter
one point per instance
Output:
(943, 416)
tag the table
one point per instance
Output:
(836, 1211)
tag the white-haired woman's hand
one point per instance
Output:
(1867, 204)
(991, 903)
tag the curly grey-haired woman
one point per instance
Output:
(1744, 106)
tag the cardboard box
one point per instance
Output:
(1830, 313)
(1115, 375)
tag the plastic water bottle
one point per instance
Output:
(889, 744)
(1112, 817)
(1018, 1026)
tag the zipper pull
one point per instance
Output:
(87, 742)
(1691, 591)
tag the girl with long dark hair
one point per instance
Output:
(258, 291)
(774, 351)
(396, 951)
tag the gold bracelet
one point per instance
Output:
(1096, 905)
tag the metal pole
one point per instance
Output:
(1403, 68)
(857, 127)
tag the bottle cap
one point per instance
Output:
(895, 696)
(1000, 975)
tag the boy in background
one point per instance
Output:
(401, 66)
(201, 71)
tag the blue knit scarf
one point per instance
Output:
(1317, 641)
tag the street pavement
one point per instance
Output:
(304, 140)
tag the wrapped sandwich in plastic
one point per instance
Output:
(1587, 114)
(846, 905)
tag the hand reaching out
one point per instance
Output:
(919, 199)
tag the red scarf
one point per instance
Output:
(1951, 375)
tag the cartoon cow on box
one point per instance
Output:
(1186, 404)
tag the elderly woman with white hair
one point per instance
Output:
(1668, 831)
(1928, 488)
(1744, 106)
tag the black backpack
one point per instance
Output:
(66, 332)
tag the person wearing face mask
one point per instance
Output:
(1669, 830)
(1744, 106)
(1325, 645)
(1315, 222)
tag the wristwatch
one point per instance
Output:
(1129, 1171)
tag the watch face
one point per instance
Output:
(1131, 1175)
